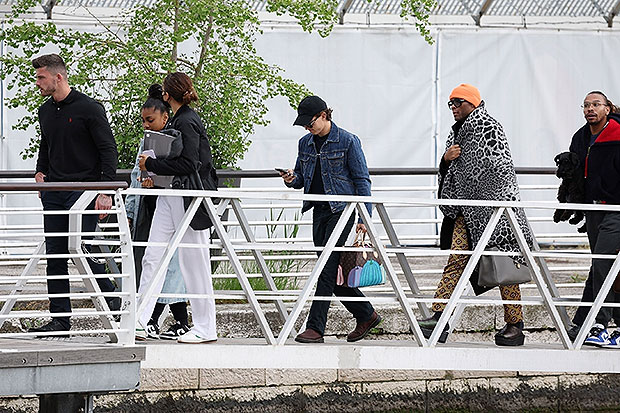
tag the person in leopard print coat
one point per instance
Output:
(477, 165)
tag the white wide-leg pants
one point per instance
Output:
(195, 265)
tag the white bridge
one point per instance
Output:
(237, 235)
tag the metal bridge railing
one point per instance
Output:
(24, 248)
(400, 239)
(402, 286)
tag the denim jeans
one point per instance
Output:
(323, 223)
(63, 201)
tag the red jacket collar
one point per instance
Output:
(611, 133)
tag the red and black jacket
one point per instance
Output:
(601, 162)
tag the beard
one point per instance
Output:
(49, 90)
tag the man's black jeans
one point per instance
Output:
(323, 223)
(62, 201)
(604, 237)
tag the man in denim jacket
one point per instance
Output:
(330, 161)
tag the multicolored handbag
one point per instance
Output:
(360, 268)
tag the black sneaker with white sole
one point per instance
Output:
(175, 331)
(152, 331)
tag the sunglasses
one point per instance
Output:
(455, 103)
(311, 124)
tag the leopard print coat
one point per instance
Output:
(483, 171)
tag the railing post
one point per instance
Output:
(128, 283)
(75, 247)
(258, 257)
(241, 275)
(538, 278)
(391, 274)
(598, 302)
(162, 268)
(402, 259)
(461, 285)
(314, 274)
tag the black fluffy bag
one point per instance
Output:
(572, 188)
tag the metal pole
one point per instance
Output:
(461, 285)
(538, 278)
(314, 274)
(260, 260)
(391, 274)
(241, 275)
(75, 247)
(168, 253)
(402, 259)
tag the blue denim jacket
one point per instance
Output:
(343, 167)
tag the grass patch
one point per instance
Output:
(274, 266)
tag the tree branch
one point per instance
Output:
(121, 42)
(187, 63)
(203, 49)
(175, 29)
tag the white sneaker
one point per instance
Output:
(192, 338)
(614, 340)
(140, 334)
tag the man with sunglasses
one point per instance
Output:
(477, 164)
(330, 161)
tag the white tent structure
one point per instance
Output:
(533, 61)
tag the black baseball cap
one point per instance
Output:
(308, 108)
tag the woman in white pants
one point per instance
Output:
(195, 161)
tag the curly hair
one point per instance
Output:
(613, 108)
(156, 100)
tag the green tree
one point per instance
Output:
(211, 40)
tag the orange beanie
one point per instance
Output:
(467, 92)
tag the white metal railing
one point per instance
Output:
(236, 238)
(17, 291)
(291, 302)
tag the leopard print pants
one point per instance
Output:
(513, 313)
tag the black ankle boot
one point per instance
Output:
(510, 335)
(431, 322)
(428, 325)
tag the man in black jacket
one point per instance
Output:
(76, 145)
(597, 144)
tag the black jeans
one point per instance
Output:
(604, 237)
(323, 223)
(62, 201)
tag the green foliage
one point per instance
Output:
(577, 278)
(319, 15)
(211, 40)
(274, 266)
(420, 10)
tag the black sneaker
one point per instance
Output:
(152, 331)
(510, 335)
(51, 327)
(175, 331)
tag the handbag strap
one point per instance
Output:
(360, 238)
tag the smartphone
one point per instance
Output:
(284, 171)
